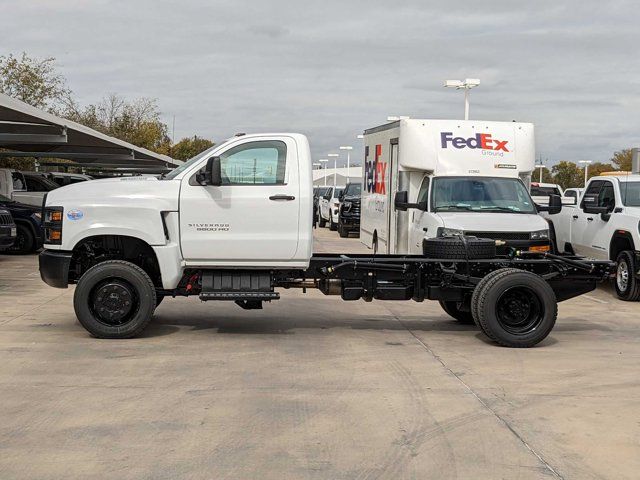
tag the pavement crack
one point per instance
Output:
(501, 419)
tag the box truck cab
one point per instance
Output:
(437, 178)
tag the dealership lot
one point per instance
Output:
(313, 387)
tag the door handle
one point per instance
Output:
(282, 197)
(590, 219)
(575, 217)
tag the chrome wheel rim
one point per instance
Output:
(622, 276)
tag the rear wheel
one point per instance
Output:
(516, 308)
(454, 310)
(627, 284)
(114, 299)
(321, 221)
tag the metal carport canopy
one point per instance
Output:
(29, 131)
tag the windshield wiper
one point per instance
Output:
(453, 206)
(496, 208)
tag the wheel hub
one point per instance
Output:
(622, 276)
(519, 310)
(113, 302)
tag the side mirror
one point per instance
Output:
(401, 202)
(595, 209)
(554, 207)
(212, 174)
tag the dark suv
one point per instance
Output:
(349, 216)
(7, 229)
(28, 225)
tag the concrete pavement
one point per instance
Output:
(312, 388)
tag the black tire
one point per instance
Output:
(476, 293)
(517, 309)
(342, 232)
(453, 309)
(451, 248)
(113, 317)
(332, 226)
(25, 241)
(626, 283)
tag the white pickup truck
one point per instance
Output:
(605, 224)
(24, 187)
(234, 224)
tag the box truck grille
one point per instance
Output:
(500, 235)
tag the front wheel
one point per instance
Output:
(114, 299)
(25, 240)
(342, 231)
(321, 221)
(332, 225)
(454, 310)
(516, 308)
(627, 284)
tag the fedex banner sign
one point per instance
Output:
(483, 141)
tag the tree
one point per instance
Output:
(190, 147)
(567, 175)
(622, 159)
(137, 122)
(597, 168)
(547, 177)
(33, 81)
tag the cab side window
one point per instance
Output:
(606, 196)
(592, 193)
(423, 193)
(254, 163)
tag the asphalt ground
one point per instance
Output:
(313, 388)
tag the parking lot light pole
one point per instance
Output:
(586, 169)
(335, 166)
(540, 167)
(348, 148)
(465, 85)
(324, 160)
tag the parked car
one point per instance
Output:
(63, 179)
(7, 230)
(25, 187)
(349, 216)
(329, 206)
(28, 224)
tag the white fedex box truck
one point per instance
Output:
(437, 178)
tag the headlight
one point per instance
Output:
(539, 235)
(37, 216)
(346, 206)
(53, 225)
(449, 232)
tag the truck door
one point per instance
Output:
(580, 240)
(421, 221)
(397, 224)
(597, 233)
(253, 215)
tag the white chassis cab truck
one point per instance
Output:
(605, 224)
(426, 179)
(234, 224)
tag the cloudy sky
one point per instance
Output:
(330, 68)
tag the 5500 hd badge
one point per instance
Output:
(210, 227)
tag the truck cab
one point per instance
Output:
(605, 224)
(25, 187)
(437, 178)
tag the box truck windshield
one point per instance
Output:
(480, 194)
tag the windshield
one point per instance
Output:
(337, 192)
(321, 192)
(177, 171)
(353, 189)
(481, 194)
(537, 191)
(630, 192)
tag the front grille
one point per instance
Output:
(5, 219)
(500, 235)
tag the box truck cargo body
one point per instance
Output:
(430, 178)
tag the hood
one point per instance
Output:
(17, 208)
(351, 198)
(493, 222)
(162, 195)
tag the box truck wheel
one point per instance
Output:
(114, 299)
(627, 284)
(453, 309)
(517, 309)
